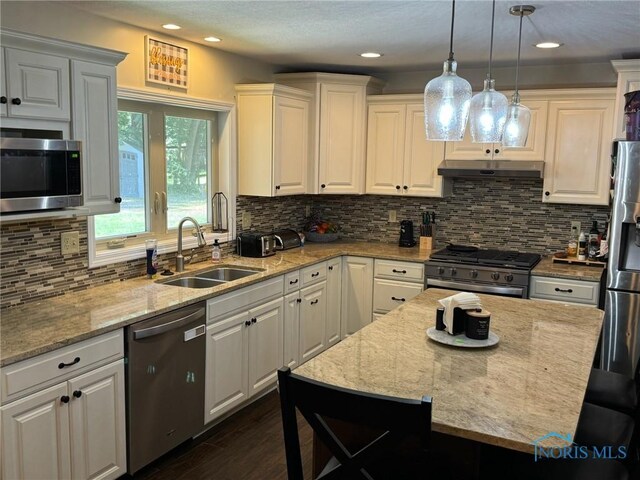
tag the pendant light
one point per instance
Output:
(446, 100)
(488, 108)
(516, 129)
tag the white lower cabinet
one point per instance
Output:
(395, 283)
(75, 429)
(334, 295)
(265, 345)
(579, 292)
(291, 350)
(357, 293)
(313, 315)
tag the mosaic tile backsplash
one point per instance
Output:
(487, 213)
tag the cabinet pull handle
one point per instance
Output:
(398, 299)
(330, 267)
(77, 394)
(3, 99)
(399, 271)
(315, 274)
(254, 320)
(568, 290)
(16, 101)
(61, 365)
(314, 301)
(65, 399)
(293, 282)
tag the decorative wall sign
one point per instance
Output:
(166, 63)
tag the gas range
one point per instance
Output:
(499, 272)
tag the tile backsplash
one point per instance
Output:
(488, 213)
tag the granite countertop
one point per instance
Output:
(39, 327)
(570, 271)
(528, 385)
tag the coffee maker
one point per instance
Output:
(406, 234)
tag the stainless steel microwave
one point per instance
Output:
(38, 174)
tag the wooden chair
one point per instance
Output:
(382, 458)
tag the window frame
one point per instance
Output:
(224, 168)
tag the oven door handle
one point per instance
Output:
(475, 288)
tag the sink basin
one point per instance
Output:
(193, 282)
(226, 274)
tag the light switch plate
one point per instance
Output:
(70, 243)
(575, 229)
(392, 216)
(246, 220)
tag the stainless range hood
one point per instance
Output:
(491, 168)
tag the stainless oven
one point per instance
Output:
(515, 292)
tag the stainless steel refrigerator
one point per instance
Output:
(621, 333)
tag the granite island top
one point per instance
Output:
(530, 384)
(39, 327)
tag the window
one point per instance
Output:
(169, 169)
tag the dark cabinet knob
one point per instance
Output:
(65, 399)
(322, 186)
(61, 365)
(247, 323)
(487, 151)
(397, 187)
(3, 99)
(16, 101)
(546, 194)
(254, 320)
(314, 301)
(77, 394)
(298, 300)
(118, 199)
(277, 187)
(497, 150)
(405, 187)
(330, 267)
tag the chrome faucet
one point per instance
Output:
(180, 260)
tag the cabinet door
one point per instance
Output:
(40, 82)
(97, 423)
(385, 149)
(35, 436)
(341, 145)
(95, 113)
(334, 294)
(390, 294)
(290, 145)
(577, 166)
(313, 314)
(534, 148)
(3, 85)
(226, 367)
(291, 356)
(357, 293)
(265, 345)
(421, 158)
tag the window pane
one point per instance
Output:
(131, 151)
(187, 151)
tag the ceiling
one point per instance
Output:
(411, 35)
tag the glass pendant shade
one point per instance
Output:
(488, 114)
(446, 105)
(516, 128)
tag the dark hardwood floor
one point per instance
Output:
(248, 445)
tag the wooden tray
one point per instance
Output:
(589, 263)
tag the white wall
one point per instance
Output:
(213, 73)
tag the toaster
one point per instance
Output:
(286, 239)
(256, 244)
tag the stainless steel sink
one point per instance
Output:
(193, 282)
(226, 274)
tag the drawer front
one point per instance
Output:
(24, 377)
(405, 271)
(389, 294)
(564, 290)
(243, 299)
(291, 282)
(313, 274)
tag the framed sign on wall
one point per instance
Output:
(166, 63)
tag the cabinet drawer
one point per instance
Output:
(24, 377)
(405, 271)
(291, 282)
(389, 294)
(243, 299)
(564, 290)
(313, 274)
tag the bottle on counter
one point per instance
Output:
(151, 247)
(603, 253)
(216, 253)
(582, 246)
(593, 241)
(572, 247)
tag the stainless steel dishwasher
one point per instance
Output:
(165, 380)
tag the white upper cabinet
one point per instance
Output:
(273, 140)
(578, 152)
(628, 81)
(400, 160)
(338, 128)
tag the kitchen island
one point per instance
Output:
(530, 384)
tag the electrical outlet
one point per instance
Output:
(392, 216)
(575, 229)
(246, 220)
(307, 210)
(69, 243)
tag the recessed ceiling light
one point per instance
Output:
(549, 45)
(212, 39)
(370, 55)
(171, 26)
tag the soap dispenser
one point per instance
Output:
(216, 253)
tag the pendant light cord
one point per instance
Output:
(453, 15)
(519, 46)
(493, 16)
